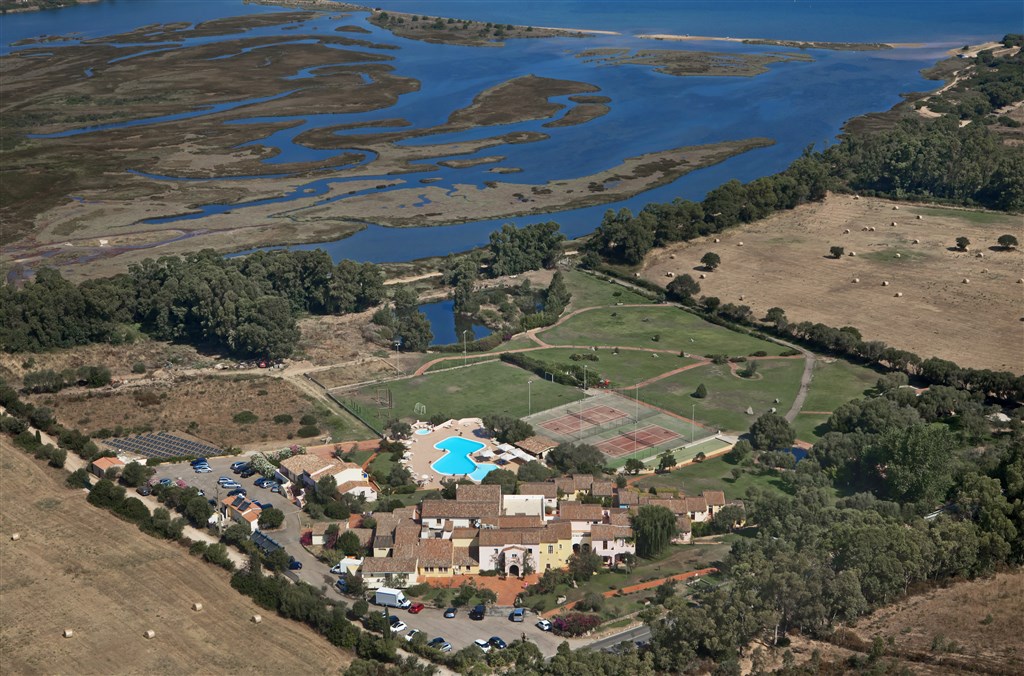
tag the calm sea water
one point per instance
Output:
(796, 104)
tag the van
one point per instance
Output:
(518, 615)
(478, 612)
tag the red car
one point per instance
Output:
(415, 608)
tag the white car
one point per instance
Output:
(483, 645)
(399, 627)
(544, 625)
(338, 569)
(412, 633)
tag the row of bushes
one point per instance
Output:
(573, 377)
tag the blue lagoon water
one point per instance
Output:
(796, 103)
(447, 326)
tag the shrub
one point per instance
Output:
(307, 431)
(308, 419)
(575, 624)
(702, 391)
(78, 479)
(271, 518)
(197, 548)
(138, 367)
(283, 419)
(57, 457)
(245, 417)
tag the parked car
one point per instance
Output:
(497, 643)
(441, 644)
(165, 482)
(237, 491)
(544, 625)
(294, 565)
(224, 479)
(478, 612)
(238, 465)
(517, 615)
(144, 490)
(483, 645)
(336, 569)
(274, 488)
(200, 461)
(265, 505)
(212, 502)
(230, 485)
(399, 627)
(200, 464)
(180, 484)
(451, 612)
(412, 634)
(416, 608)
(203, 470)
(262, 482)
(247, 473)
(239, 470)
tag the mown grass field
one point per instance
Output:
(639, 326)
(810, 428)
(836, 383)
(490, 388)
(623, 369)
(728, 395)
(589, 291)
(712, 475)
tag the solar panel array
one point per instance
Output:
(162, 445)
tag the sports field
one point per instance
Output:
(493, 387)
(657, 326)
(618, 425)
(624, 368)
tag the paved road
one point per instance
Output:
(642, 633)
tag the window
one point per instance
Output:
(551, 549)
(605, 545)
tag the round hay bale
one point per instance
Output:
(899, 294)
(856, 280)
(149, 633)
(257, 619)
(739, 244)
(846, 232)
(856, 197)
(895, 208)
(670, 274)
(979, 255)
(984, 269)
(917, 241)
(897, 255)
(15, 536)
(68, 633)
(717, 240)
(703, 276)
(853, 253)
(894, 224)
(197, 607)
(672, 256)
(871, 229)
(885, 283)
(864, 229)
(741, 297)
(1020, 281)
(966, 281)
(920, 217)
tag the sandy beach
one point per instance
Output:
(809, 44)
(579, 30)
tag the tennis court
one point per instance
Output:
(630, 442)
(581, 420)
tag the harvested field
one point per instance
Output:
(784, 262)
(329, 339)
(209, 401)
(82, 568)
(970, 626)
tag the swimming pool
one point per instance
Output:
(424, 431)
(456, 460)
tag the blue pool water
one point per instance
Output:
(456, 460)
(422, 431)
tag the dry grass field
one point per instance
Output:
(784, 261)
(174, 404)
(81, 568)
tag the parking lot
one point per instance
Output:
(459, 631)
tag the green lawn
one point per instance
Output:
(636, 327)
(976, 217)
(514, 344)
(452, 363)
(493, 387)
(623, 369)
(712, 475)
(836, 383)
(728, 395)
(807, 427)
(589, 291)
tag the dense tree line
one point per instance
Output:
(515, 250)
(246, 306)
(572, 375)
(402, 324)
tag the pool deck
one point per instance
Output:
(423, 453)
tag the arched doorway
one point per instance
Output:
(576, 548)
(513, 570)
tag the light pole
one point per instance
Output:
(581, 400)
(636, 413)
(464, 331)
(398, 366)
(529, 397)
(693, 420)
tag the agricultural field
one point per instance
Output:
(493, 387)
(769, 264)
(205, 406)
(82, 568)
(661, 327)
(729, 395)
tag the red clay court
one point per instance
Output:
(573, 423)
(645, 437)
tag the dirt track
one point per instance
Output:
(81, 568)
(784, 262)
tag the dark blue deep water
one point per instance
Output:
(797, 104)
(447, 327)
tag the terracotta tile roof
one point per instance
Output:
(382, 564)
(546, 488)
(619, 518)
(569, 510)
(406, 552)
(683, 524)
(553, 532)
(513, 521)
(106, 463)
(674, 505)
(320, 527)
(365, 535)
(604, 531)
(308, 463)
(436, 553)
(474, 493)
(383, 542)
(348, 486)
(386, 523)
(602, 488)
(559, 530)
(451, 509)
(462, 557)
(410, 512)
(629, 498)
(714, 498)
(465, 533)
(536, 445)
(697, 504)
(407, 534)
